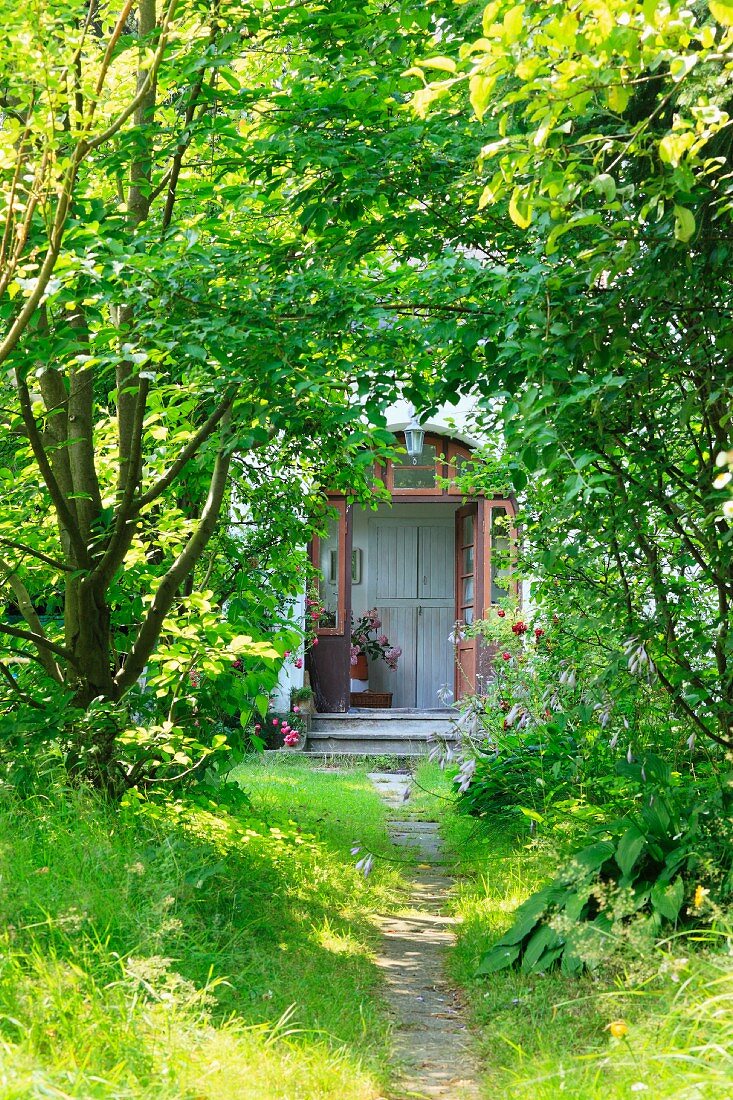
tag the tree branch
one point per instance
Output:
(188, 451)
(21, 546)
(40, 641)
(67, 520)
(150, 628)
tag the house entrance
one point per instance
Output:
(411, 572)
(424, 561)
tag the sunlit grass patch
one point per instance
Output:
(184, 950)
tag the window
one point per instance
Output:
(328, 558)
(501, 552)
(419, 476)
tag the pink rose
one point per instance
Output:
(298, 662)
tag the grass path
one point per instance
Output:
(431, 1043)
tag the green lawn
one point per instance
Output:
(187, 952)
(542, 1036)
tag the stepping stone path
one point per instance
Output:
(432, 1044)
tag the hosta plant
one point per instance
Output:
(668, 865)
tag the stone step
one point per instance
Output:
(385, 733)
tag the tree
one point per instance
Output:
(604, 182)
(163, 320)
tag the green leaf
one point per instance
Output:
(444, 64)
(618, 96)
(261, 704)
(526, 917)
(520, 208)
(667, 900)
(722, 11)
(544, 938)
(480, 88)
(513, 21)
(594, 856)
(498, 958)
(684, 223)
(630, 847)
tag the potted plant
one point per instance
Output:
(302, 699)
(367, 641)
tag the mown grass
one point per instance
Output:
(186, 951)
(545, 1035)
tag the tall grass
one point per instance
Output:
(546, 1035)
(183, 950)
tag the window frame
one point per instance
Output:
(339, 504)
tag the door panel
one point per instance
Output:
(414, 595)
(434, 654)
(397, 562)
(400, 626)
(435, 562)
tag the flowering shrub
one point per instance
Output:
(276, 730)
(365, 639)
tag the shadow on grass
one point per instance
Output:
(208, 921)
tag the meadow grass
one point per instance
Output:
(541, 1036)
(184, 950)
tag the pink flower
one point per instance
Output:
(296, 710)
(315, 615)
(383, 639)
(298, 662)
(276, 721)
(258, 727)
(286, 654)
(315, 641)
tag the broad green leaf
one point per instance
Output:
(480, 89)
(617, 97)
(722, 11)
(520, 208)
(674, 145)
(604, 184)
(684, 224)
(513, 21)
(667, 900)
(444, 64)
(497, 958)
(527, 916)
(544, 938)
(630, 847)
(594, 856)
(490, 13)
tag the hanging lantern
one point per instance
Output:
(414, 439)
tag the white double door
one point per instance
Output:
(411, 571)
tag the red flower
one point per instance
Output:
(506, 656)
(519, 628)
(501, 614)
(538, 632)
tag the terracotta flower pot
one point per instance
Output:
(360, 671)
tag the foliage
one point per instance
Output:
(603, 310)
(650, 872)
(176, 348)
(275, 727)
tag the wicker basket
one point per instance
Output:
(381, 699)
